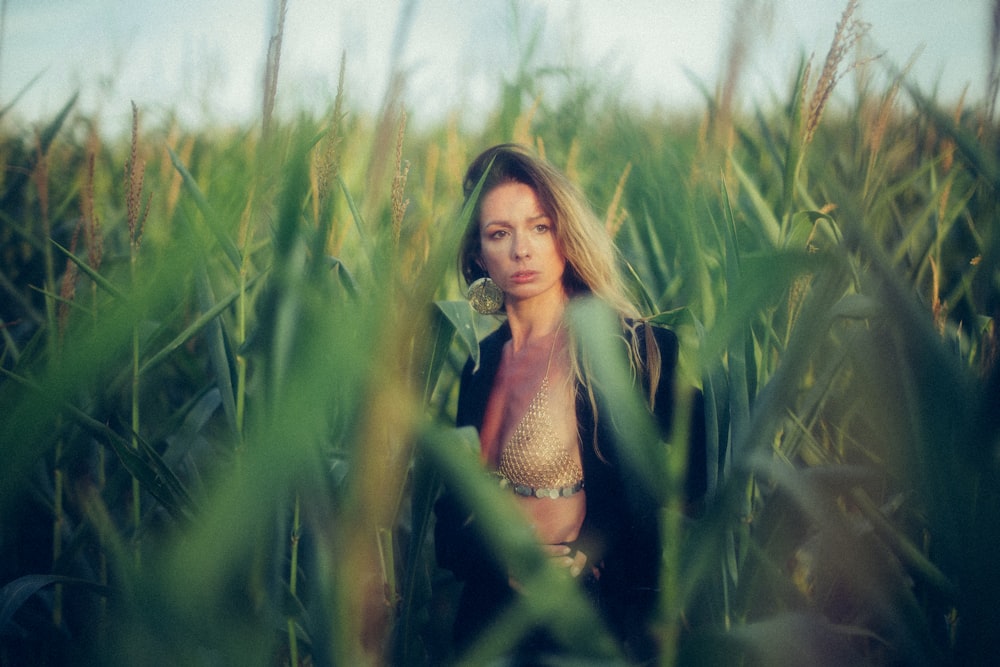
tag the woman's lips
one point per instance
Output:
(523, 276)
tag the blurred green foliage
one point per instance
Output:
(224, 422)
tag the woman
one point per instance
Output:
(533, 245)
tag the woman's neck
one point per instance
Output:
(532, 323)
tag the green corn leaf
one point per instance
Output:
(98, 279)
(146, 466)
(794, 156)
(440, 336)
(48, 134)
(194, 328)
(767, 224)
(20, 93)
(211, 219)
(463, 320)
(222, 363)
(15, 593)
(359, 222)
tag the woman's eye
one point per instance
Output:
(542, 229)
(499, 234)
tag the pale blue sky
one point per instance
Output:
(205, 58)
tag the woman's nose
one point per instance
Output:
(521, 247)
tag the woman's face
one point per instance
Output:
(518, 244)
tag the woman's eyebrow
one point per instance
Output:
(507, 223)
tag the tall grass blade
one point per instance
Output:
(20, 93)
(211, 219)
(768, 225)
(49, 132)
(463, 321)
(194, 328)
(222, 364)
(15, 593)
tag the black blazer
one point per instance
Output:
(620, 533)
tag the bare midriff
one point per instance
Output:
(555, 520)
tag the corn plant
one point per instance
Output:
(230, 365)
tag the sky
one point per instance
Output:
(204, 59)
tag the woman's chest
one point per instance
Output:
(530, 416)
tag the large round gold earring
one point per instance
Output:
(485, 296)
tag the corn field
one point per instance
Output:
(229, 365)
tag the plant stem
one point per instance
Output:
(41, 176)
(241, 324)
(57, 528)
(293, 643)
(136, 508)
(671, 602)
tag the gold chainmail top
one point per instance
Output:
(533, 460)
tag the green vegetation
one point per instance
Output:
(229, 364)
